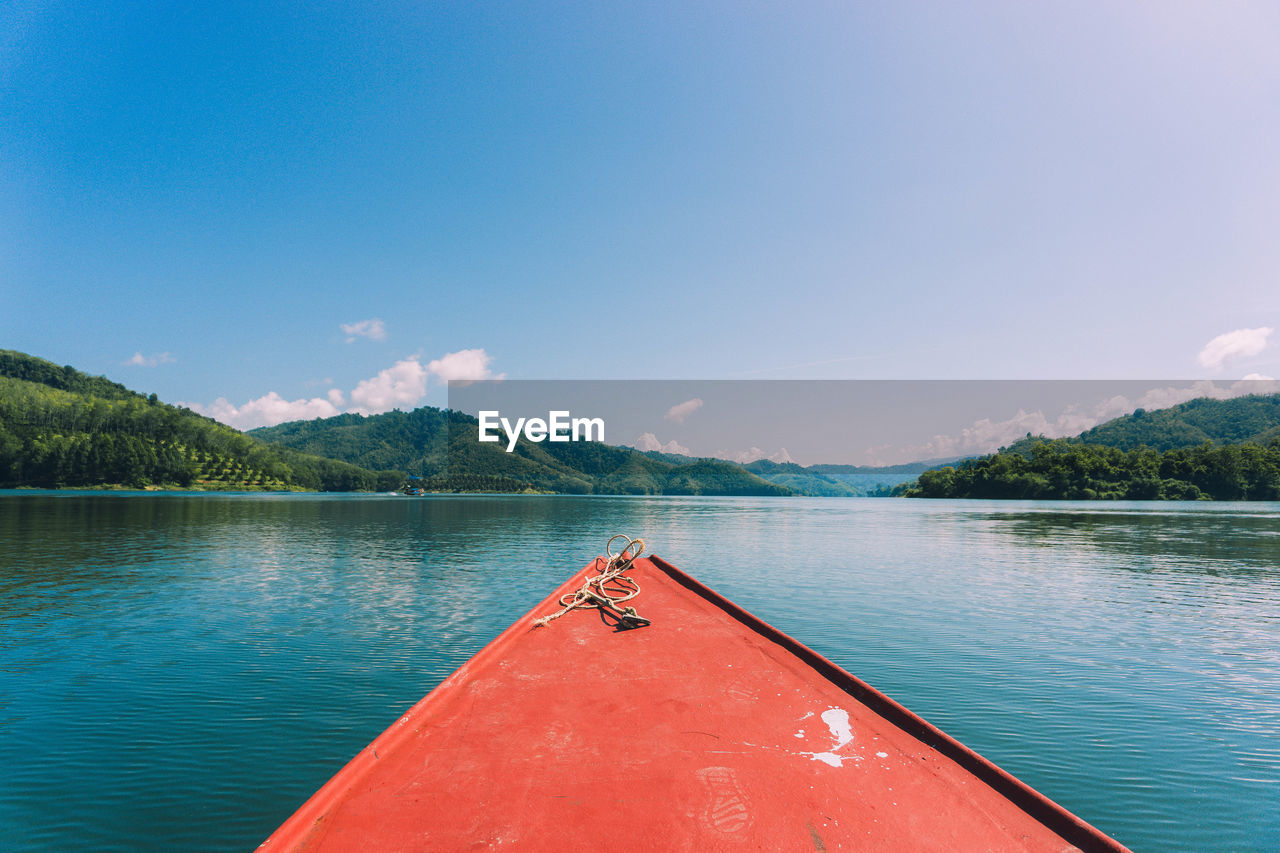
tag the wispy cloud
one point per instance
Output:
(677, 413)
(402, 386)
(1226, 348)
(154, 360)
(372, 329)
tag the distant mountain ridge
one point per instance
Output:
(824, 480)
(442, 448)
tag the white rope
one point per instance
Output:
(609, 588)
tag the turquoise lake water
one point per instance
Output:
(182, 671)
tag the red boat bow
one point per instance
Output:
(706, 730)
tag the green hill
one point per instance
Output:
(1251, 419)
(1200, 450)
(62, 428)
(17, 365)
(443, 449)
(804, 481)
(408, 441)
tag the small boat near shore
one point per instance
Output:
(694, 727)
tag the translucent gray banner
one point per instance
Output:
(833, 422)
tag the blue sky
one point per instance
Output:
(298, 208)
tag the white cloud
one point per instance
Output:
(140, 360)
(1226, 348)
(372, 329)
(403, 385)
(677, 413)
(268, 410)
(648, 441)
(464, 365)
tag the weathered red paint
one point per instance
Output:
(704, 731)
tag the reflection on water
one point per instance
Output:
(1198, 538)
(180, 671)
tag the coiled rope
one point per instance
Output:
(609, 588)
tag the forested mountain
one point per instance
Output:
(1200, 450)
(62, 428)
(442, 447)
(415, 442)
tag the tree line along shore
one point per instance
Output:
(1060, 470)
